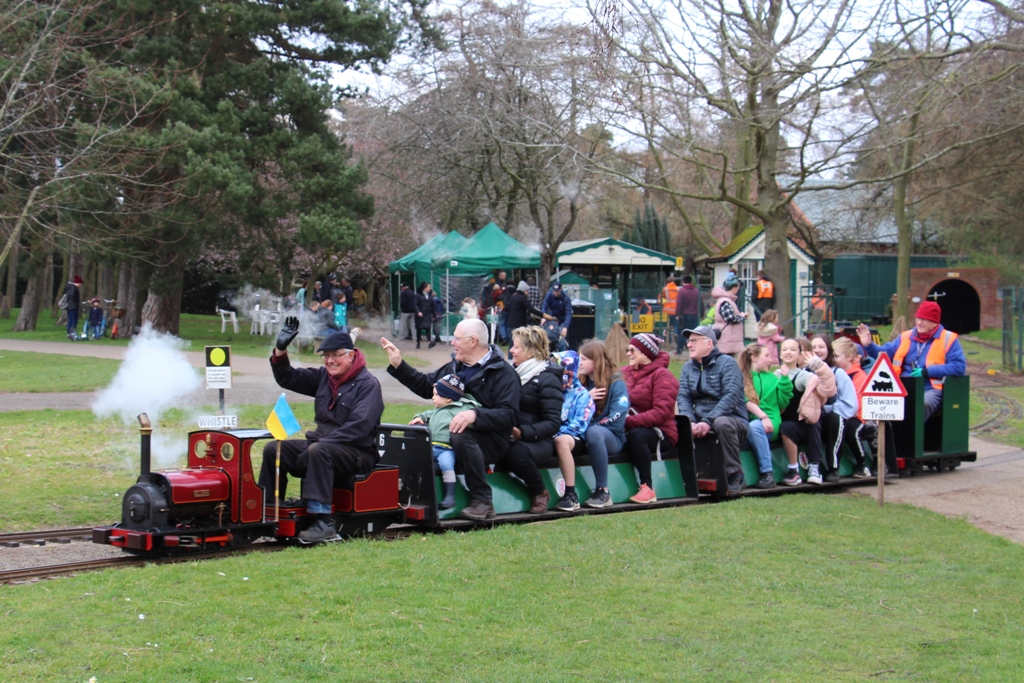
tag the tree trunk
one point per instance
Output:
(124, 276)
(133, 299)
(12, 278)
(106, 287)
(49, 286)
(30, 303)
(904, 224)
(163, 304)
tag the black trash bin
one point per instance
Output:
(582, 326)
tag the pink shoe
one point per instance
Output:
(644, 495)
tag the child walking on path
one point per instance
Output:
(577, 409)
(450, 399)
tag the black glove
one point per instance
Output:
(289, 331)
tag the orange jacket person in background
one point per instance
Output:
(764, 294)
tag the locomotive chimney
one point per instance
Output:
(146, 430)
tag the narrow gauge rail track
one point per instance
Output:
(46, 535)
(1005, 410)
(55, 570)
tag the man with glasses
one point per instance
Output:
(711, 395)
(479, 437)
(348, 405)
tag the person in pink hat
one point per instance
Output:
(929, 351)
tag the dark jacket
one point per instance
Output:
(711, 388)
(357, 410)
(540, 405)
(407, 301)
(651, 389)
(425, 306)
(495, 386)
(95, 315)
(519, 310)
(689, 301)
(325, 317)
(559, 306)
(74, 296)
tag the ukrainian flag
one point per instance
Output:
(282, 422)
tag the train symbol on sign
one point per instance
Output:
(882, 382)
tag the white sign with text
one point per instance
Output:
(889, 408)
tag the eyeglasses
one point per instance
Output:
(456, 338)
(337, 354)
(630, 349)
(696, 340)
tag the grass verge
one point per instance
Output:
(796, 588)
(40, 372)
(200, 330)
(66, 468)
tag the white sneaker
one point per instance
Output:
(813, 473)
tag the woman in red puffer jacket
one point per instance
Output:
(652, 400)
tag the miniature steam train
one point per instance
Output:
(214, 503)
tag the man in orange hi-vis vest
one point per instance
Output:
(668, 305)
(929, 350)
(764, 294)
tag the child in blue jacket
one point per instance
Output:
(577, 409)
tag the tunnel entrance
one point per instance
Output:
(960, 303)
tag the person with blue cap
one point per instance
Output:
(347, 407)
(558, 305)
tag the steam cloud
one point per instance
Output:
(154, 376)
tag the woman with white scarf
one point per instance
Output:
(540, 409)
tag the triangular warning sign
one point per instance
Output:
(883, 380)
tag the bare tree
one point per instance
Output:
(503, 122)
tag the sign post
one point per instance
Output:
(218, 370)
(883, 399)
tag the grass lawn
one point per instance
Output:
(62, 469)
(38, 372)
(795, 588)
(201, 330)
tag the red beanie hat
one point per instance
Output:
(647, 344)
(76, 281)
(929, 310)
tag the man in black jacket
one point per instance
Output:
(407, 309)
(348, 404)
(519, 311)
(494, 384)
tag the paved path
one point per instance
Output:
(252, 380)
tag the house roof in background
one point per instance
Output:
(855, 215)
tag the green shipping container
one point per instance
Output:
(864, 283)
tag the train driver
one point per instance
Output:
(929, 351)
(348, 405)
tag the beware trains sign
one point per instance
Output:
(884, 393)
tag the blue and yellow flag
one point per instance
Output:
(282, 422)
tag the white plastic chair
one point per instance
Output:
(227, 317)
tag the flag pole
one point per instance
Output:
(277, 483)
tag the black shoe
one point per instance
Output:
(478, 511)
(431, 344)
(832, 477)
(568, 503)
(417, 345)
(322, 530)
(736, 482)
(767, 481)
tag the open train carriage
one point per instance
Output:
(941, 443)
(673, 474)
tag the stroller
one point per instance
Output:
(556, 342)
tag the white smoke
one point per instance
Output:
(154, 376)
(248, 298)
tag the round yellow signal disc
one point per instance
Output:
(217, 356)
